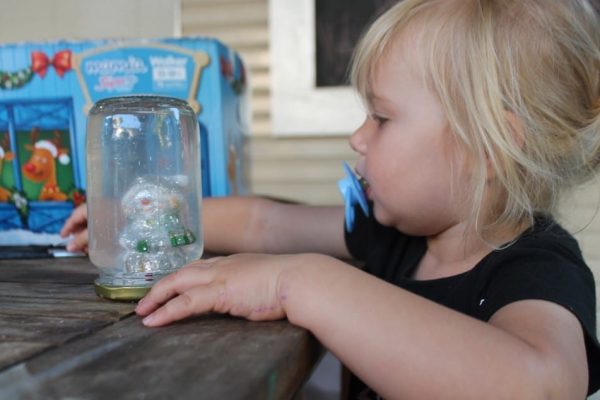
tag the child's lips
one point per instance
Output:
(364, 184)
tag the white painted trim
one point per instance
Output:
(298, 107)
(177, 19)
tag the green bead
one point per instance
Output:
(142, 246)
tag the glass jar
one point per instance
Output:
(143, 192)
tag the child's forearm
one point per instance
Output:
(227, 223)
(254, 224)
(399, 343)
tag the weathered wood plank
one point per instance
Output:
(45, 290)
(13, 351)
(99, 309)
(44, 329)
(38, 312)
(210, 357)
(63, 270)
(58, 340)
(31, 334)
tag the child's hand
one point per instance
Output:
(244, 285)
(76, 225)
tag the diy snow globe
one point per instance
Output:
(143, 192)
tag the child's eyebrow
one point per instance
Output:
(379, 101)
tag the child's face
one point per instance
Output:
(405, 151)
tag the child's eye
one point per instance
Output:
(379, 119)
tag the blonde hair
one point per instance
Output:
(519, 81)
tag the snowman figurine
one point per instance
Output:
(154, 235)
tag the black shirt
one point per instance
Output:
(544, 263)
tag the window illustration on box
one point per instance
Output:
(9, 216)
(39, 173)
(7, 181)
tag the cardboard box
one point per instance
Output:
(46, 90)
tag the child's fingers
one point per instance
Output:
(76, 221)
(241, 285)
(174, 285)
(195, 301)
(79, 242)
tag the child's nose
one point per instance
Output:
(358, 140)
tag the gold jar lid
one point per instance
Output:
(121, 293)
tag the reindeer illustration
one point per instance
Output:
(5, 155)
(41, 167)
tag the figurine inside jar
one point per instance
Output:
(154, 233)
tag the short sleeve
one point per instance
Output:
(544, 274)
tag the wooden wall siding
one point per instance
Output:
(242, 25)
(302, 169)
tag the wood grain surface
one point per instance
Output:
(58, 340)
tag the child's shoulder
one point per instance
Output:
(544, 263)
(545, 252)
(547, 236)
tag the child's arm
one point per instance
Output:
(254, 224)
(408, 347)
(402, 345)
(250, 224)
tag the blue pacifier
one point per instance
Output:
(353, 193)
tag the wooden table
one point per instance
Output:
(59, 341)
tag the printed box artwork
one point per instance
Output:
(46, 90)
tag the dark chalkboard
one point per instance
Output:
(339, 25)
